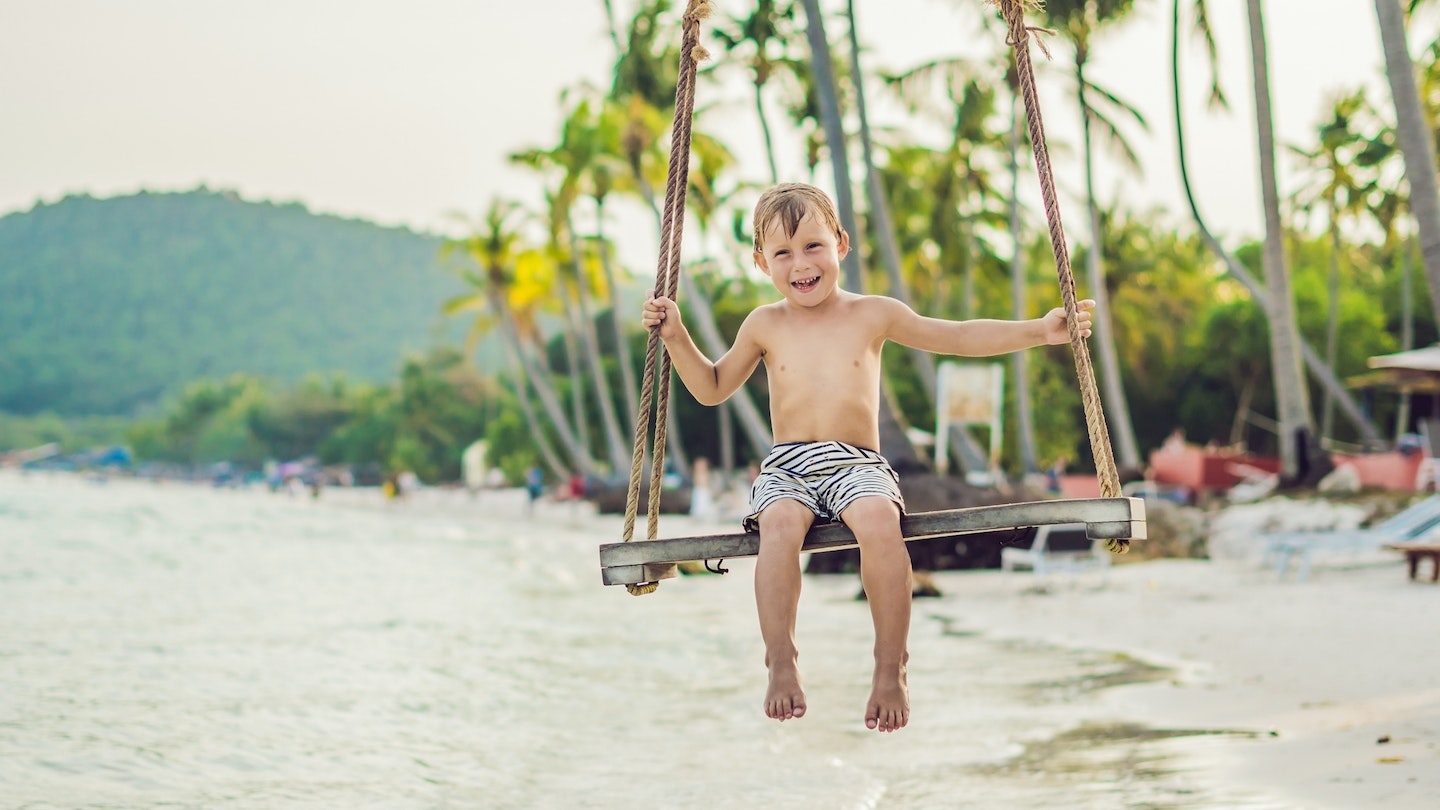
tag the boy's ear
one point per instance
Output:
(843, 247)
(760, 261)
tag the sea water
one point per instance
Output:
(171, 645)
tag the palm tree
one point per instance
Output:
(963, 189)
(1081, 20)
(606, 176)
(1337, 190)
(649, 64)
(495, 247)
(1416, 140)
(582, 143)
(760, 39)
(1322, 372)
(1300, 453)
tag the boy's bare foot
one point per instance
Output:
(784, 699)
(889, 706)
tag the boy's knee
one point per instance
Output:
(872, 516)
(786, 518)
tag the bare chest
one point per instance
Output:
(841, 356)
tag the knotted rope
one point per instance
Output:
(1019, 39)
(667, 283)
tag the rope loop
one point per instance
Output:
(1012, 41)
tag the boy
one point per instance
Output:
(821, 347)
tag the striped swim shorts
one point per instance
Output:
(824, 476)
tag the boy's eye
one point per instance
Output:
(781, 252)
(813, 245)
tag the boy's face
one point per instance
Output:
(804, 266)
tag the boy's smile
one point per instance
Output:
(804, 266)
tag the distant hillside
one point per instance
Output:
(107, 304)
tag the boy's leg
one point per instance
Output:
(885, 573)
(783, 525)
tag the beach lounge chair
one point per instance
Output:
(1427, 474)
(1412, 523)
(1063, 547)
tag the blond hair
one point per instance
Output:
(789, 203)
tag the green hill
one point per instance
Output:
(107, 304)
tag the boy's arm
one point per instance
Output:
(710, 383)
(981, 337)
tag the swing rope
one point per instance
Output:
(667, 283)
(1019, 39)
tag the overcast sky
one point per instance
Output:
(402, 113)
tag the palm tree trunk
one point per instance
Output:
(765, 132)
(1416, 141)
(1407, 332)
(622, 346)
(548, 398)
(1023, 415)
(610, 424)
(674, 440)
(572, 368)
(532, 423)
(1332, 325)
(967, 265)
(726, 416)
(1298, 447)
(1117, 408)
(1317, 367)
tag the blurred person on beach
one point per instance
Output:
(1055, 473)
(702, 497)
(534, 487)
(575, 489)
(821, 346)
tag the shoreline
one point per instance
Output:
(1311, 676)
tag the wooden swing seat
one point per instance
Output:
(653, 560)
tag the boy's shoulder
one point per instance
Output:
(880, 306)
(766, 313)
